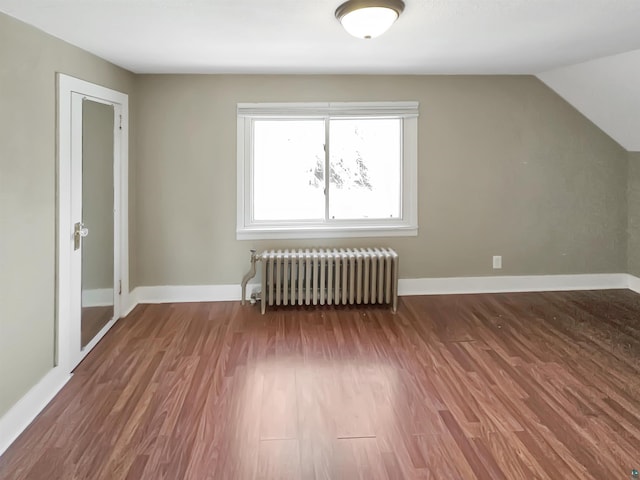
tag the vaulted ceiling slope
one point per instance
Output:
(607, 92)
(303, 36)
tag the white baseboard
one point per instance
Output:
(98, 297)
(18, 418)
(187, 293)
(528, 283)
(406, 286)
(132, 298)
(633, 283)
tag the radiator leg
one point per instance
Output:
(263, 291)
(250, 274)
(394, 283)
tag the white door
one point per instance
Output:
(92, 271)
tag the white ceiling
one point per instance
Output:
(606, 91)
(303, 36)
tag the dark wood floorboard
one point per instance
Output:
(504, 386)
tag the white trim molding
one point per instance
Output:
(524, 283)
(406, 287)
(407, 109)
(186, 293)
(633, 283)
(132, 302)
(372, 230)
(18, 418)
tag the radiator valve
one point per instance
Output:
(255, 297)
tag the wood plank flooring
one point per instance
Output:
(506, 386)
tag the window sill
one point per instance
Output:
(268, 233)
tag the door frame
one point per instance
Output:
(67, 353)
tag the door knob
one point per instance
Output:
(79, 231)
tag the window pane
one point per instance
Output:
(288, 170)
(366, 168)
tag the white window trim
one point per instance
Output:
(407, 225)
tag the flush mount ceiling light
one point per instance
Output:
(369, 18)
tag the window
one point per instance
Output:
(327, 170)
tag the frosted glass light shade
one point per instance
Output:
(369, 22)
(369, 18)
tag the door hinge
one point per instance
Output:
(120, 122)
(119, 287)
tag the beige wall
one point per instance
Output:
(506, 167)
(29, 60)
(633, 198)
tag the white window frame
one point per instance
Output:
(407, 225)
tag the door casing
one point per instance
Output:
(71, 92)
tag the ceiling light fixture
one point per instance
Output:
(369, 18)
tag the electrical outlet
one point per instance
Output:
(497, 262)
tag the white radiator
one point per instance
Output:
(326, 277)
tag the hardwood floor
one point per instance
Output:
(506, 386)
